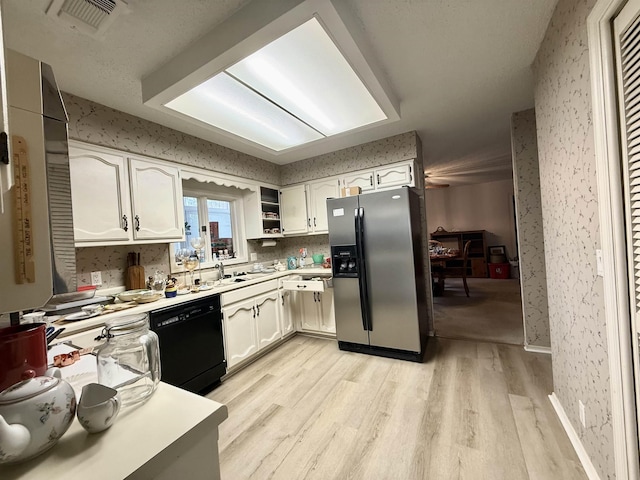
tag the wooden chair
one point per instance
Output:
(465, 257)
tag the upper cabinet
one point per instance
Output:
(382, 178)
(118, 200)
(304, 207)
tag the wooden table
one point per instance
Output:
(438, 268)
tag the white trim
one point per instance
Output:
(613, 237)
(537, 349)
(589, 469)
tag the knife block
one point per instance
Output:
(135, 279)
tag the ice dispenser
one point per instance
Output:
(344, 261)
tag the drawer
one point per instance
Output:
(243, 293)
(304, 285)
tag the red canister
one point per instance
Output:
(23, 353)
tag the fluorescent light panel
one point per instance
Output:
(305, 90)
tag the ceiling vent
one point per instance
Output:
(92, 17)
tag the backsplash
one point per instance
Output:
(94, 123)
(533, 276)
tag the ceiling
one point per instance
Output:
(458, 68)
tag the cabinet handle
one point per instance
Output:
(125, 223)
(338, 183)
(314, 221)
(254, 311)
(371, 180)
(137, 218)
(309, 222)
(282, 298)
(378, 179)
(258, 309)
(301, 286)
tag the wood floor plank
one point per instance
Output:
(472, 411)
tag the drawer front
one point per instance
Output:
(243, 293)
(304, 285)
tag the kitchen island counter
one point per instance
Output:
(172, 435)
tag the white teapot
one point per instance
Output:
(34, 414)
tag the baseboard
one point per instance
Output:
(537, 349)
(589, 469)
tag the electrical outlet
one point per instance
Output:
(96, 278)
(583, 418)
(254, 257)
(599, 263)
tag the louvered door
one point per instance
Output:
(627, 50)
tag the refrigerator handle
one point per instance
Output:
(362, 272)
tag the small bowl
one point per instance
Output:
(318, 258)
(92, 309)
(130, 295)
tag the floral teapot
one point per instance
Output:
(34, 414)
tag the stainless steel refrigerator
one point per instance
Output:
(378, 273)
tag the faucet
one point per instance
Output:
(220, 267)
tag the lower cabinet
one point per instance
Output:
(288, 310)
(267, 319)
(317, 313)
(240, 333)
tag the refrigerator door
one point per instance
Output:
(350, 324)
(390, 270)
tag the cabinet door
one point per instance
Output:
(267, 319)
(364, 180)
(327, 319)
(240, 331)
(293, 209)
(310, 315)
(156, 197)
(394, 176)
(318, 194)
(99, 196)
(287, 312)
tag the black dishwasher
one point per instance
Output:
(191, 344)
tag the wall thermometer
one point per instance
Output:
(23, 231)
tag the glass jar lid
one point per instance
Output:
(124, 325)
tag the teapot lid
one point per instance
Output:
(27, 389)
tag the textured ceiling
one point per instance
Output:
(458, 67)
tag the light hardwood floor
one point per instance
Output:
(471, 411)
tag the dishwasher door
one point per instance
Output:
(191, 343)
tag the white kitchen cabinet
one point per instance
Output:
(288, 311)
(100, 195)
(317, 312)
(240, 335)
(293, 208)
(156, 199)
(388, 176)
(118, 201)
(317, 194)
(267, 321)
(262, 213)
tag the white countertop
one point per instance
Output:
(81, 325)
(139, 437)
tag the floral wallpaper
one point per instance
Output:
(562, 93)
(94, 123)
(533, 277)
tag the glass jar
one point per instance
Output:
(129, 359)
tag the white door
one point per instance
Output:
(99, 196)
(328, 318)
(267, 319)
(286, 311)
(627, 49)
(318, 194)
(395, 176)
(364, 180)
(156, 197)
(311, 313)
(240, 331)
(293, 210)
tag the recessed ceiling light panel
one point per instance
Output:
(225, 103)
(304, 72)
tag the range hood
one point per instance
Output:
(36, 231)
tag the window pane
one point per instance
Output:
(221, 228)
(191, 223)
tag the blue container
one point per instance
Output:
(291, 263)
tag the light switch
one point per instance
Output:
(599, 263)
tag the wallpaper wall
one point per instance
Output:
(533, 276)
(571, 228)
